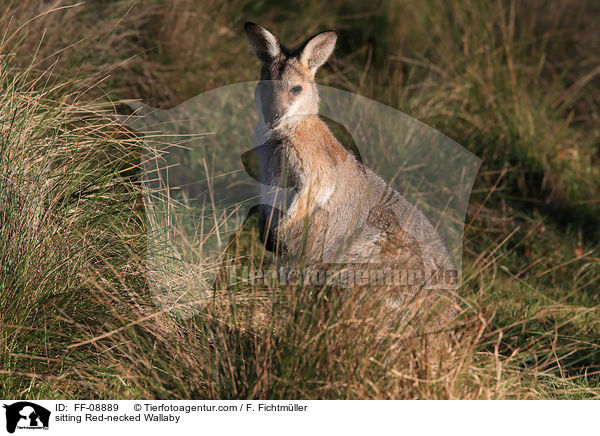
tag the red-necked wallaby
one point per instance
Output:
(341, 211)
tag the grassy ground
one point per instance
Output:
(515, 83)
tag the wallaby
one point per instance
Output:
(341, 211)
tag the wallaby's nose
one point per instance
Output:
(272, 118)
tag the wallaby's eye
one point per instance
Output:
(296, 90)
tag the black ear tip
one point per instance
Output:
(249, 25)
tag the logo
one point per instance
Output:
(208, 168)
(26, 415)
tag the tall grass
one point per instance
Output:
(67, 213)
(515, 83)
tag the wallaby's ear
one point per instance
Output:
(318, 49)
(264, 44)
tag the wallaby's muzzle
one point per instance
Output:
(266, 97)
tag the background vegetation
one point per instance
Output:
(517, 83)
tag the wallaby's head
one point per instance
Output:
(287, 88)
